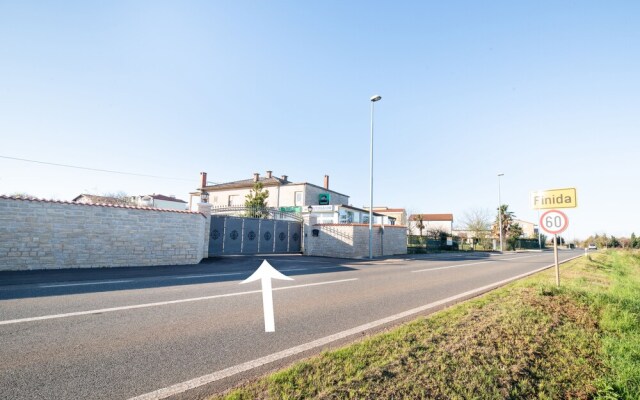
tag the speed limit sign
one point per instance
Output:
(554, 222)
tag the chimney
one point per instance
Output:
(269, 174)
(203, 179)
(256, 177)
(284, 177)
(326, 182)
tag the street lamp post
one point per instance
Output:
(373, 100)
(500, 212)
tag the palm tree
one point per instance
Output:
(507, 220)
(420, 224)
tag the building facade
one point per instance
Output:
(344, 214)
(430, 223)
(399, 215)
(283, 194)
(529, 229)
(158, 201)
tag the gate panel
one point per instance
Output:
(232, 236)
(250, 236)
(241, 235)
(266, 236)
(282, 236)
(216, 236)
(295, 236)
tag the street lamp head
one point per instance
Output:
(376, 98)
(500, 174)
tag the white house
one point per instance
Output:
(529, 229)
(283, 194)
(431, 223)
(160, 201)
(150, 201)
(397, 214)
(345, 214)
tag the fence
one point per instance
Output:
(256, 212)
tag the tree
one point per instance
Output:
(438, 234)
(559, 240)
(477, 222)
(613, 242)
(514, 233)
(543, 239)
(506, 217)
(256, 201)
(634, 243)
(120, 198)
(420, 223)
(23, 195)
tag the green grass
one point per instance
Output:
(527, 340)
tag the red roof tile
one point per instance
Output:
(35, 199)
(432, 217)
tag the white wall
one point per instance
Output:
(169, 205)
(279, 196)
(445, 226)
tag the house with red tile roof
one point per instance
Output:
(158, 201)
(283, 193)
(398, 214)
(431, 223)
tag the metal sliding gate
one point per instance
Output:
(242, 235)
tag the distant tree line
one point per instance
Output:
(610, 241)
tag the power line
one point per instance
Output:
(94, 169)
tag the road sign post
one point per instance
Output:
(555, 259)
(554, 222)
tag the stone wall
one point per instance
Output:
(40, 234)
(352, 240)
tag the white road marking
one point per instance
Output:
(452, 266)
(247, 366)
(206, 275)
(161, 303)
(57, 285)
(520, 258)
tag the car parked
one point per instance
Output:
(592, 247)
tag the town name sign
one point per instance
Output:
(554, 198)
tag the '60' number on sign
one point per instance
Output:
(554, 221)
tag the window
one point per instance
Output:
(346, 217)
(235, 200)
(298, 199)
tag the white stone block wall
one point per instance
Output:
(395, 239)
(352, 240)
(38, 234)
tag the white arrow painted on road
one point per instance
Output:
(265, 273)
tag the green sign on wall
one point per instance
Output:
(324, 199)
(291, 209)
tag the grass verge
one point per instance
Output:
(526, 340)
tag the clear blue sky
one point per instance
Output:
(546, 92)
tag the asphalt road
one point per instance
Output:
(188, 330)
